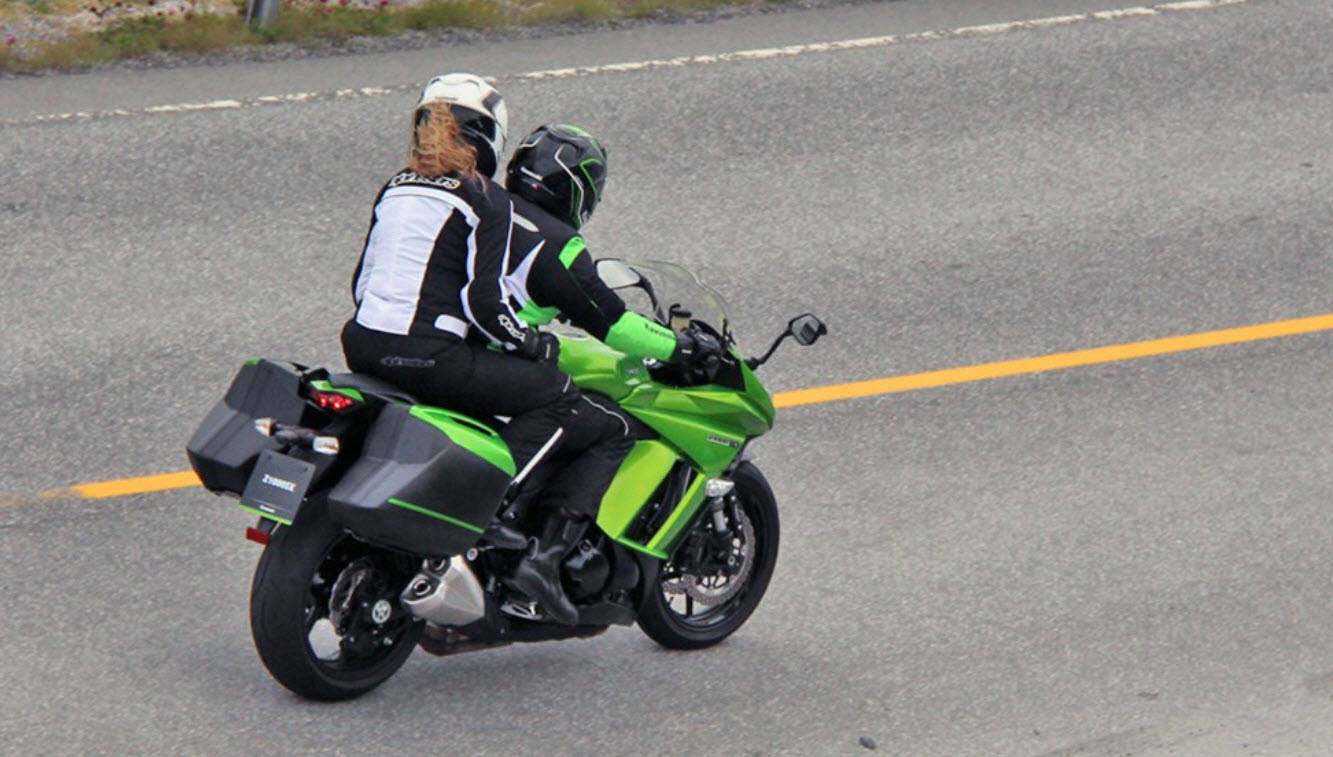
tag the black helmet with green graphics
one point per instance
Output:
(561, 169)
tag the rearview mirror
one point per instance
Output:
(616, 274)
(806, 329)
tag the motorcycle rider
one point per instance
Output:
(434, 317)
(557, 176)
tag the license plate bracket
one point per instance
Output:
(277, 486)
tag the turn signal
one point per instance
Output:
(325, 445)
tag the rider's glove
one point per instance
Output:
(695, 346)
(540, 346)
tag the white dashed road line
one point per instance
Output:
(693, 60)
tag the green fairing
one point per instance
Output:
(639, 476)
(469, 434)
(759, 397)
(637, 335)
(708, 424)
(595, 367)
(680, 520)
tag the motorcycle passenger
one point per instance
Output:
(433, 313)
(556, 177)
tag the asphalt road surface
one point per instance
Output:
(1129, 557)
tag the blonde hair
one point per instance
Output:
(437, 148)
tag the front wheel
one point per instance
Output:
(712, 584)
(324, 609)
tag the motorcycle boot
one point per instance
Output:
(538, 574)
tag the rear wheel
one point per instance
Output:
(324, 609)
(712, 584)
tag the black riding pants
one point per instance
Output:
(549, 417)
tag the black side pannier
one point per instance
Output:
(428, 482)
(224, 449)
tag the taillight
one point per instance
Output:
(331, 400)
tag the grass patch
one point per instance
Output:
(561, 11)
(457, 14)
(324, 23)
(316, 23)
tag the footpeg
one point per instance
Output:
(501, 536)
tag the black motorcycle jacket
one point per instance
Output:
(551, 274)
(435, 259)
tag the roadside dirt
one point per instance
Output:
(51, 20)
(26, 21)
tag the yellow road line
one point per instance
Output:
(121, 487)
(105, 489)
(1113, 353)
(816, 395)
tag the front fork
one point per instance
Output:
(708, 549)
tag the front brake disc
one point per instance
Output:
(716, 588)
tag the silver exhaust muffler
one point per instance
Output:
(446, 593)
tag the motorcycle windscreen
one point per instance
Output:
(428, 482)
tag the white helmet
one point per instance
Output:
(482, 117)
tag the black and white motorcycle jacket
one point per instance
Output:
(435, 261)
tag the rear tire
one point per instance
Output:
(674, 619)
(290, 609)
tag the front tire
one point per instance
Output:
(324, 609)
(690, 606)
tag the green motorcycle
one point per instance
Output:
(387, 523)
